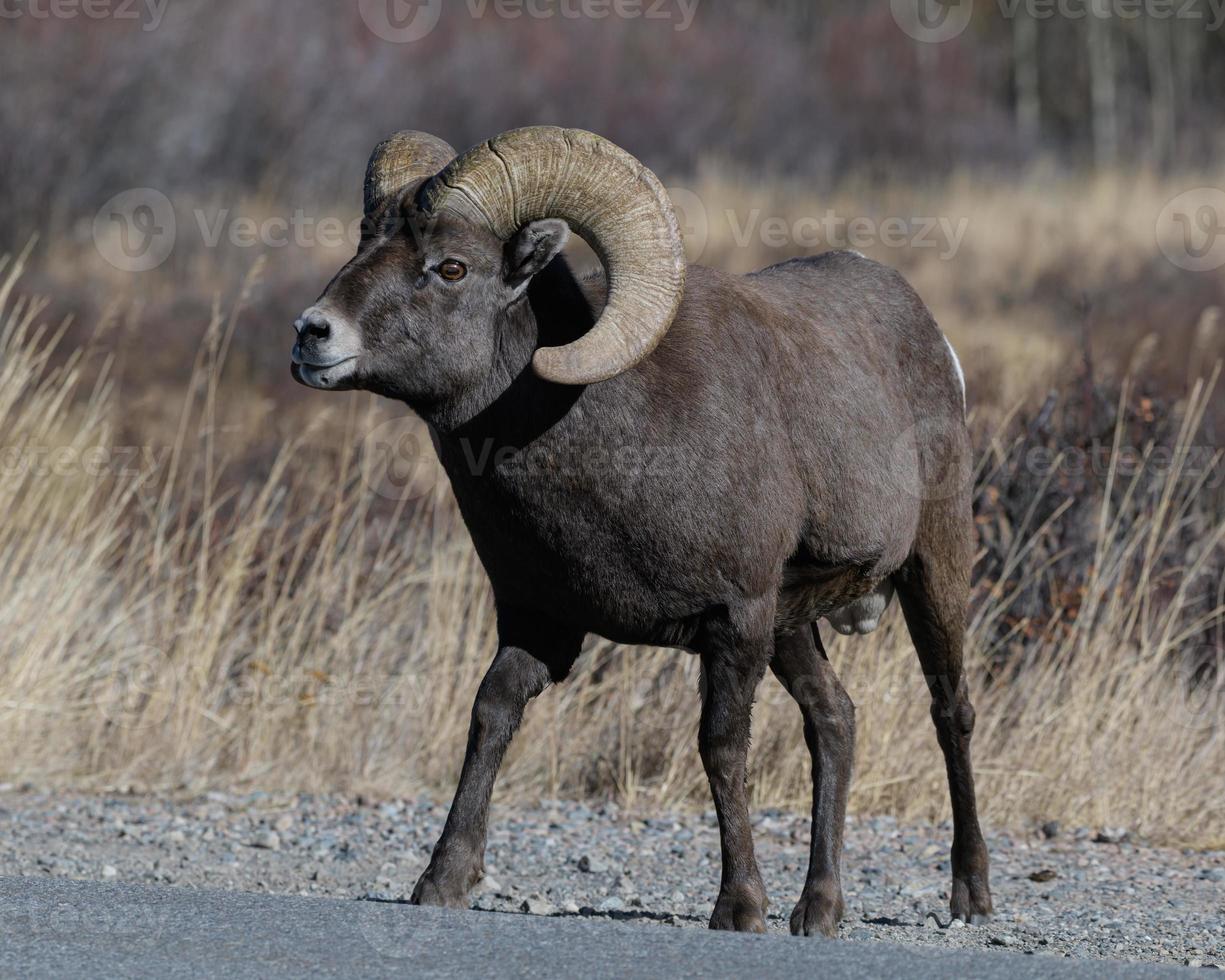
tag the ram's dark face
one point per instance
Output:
(452, 242)
(415, 315)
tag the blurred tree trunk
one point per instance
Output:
(1025, 70)
(927, 58)
(1163, 92)
(804, 16)
(1188, 42)
(1103, 88)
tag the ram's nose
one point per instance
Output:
(326, 350)
(313, 325)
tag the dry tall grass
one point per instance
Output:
(1019, 271)
(171, 619)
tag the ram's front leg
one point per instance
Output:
(732, 667)
(529, 658)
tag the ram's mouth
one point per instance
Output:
(336, 376)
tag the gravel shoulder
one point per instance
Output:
(1077, 892)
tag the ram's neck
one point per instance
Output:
(558, 306)
(514, 407)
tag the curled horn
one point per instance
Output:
(608, 198)
(398, 161)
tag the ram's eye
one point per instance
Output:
(452, 271)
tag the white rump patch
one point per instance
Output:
(961, 376)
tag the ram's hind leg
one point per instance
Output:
(934, 591)
(803, 669)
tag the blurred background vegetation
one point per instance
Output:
(236, 110)
(238, 603)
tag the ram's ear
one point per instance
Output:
(535, 246)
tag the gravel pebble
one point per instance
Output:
(1058, 892)
(537, 906)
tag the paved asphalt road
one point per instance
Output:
(58, 928)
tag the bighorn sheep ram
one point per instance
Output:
(817, 460)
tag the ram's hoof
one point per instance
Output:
(818, 912)
(440, 891)
(739, 912)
